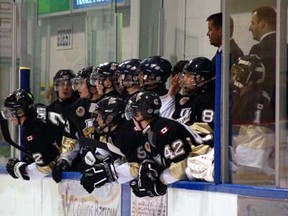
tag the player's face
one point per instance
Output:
(82, 89)
(141, 79)
(101, 123)
(139, 122)
(214, 34)
(255, 27)
(100, 86)
(150, 81)
(127, 80)
(188, 82)
(65, 90)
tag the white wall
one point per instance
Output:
(242, 35)
(197, 43)
(74, 58)
(200, 203)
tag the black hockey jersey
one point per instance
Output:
(57, 114)
(38, 139)
(197, 107)
(167, 141)
(251, 106)
(80, 122)
(129, 141)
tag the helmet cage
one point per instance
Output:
(63, 77)
(62, 82)
(7, 112)
(79, 81)
(200, 78)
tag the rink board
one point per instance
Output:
(45, 197)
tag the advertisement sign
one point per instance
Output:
(81, 4)
(102, 201)
(145, 206)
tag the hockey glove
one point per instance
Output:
(139, 192)
(98, 175)
(17, 169)
(149, 178)
(87, 162)
(61, 166)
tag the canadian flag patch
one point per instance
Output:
(163, 130)
(30, 138)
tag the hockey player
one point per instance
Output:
(127, 78)
(59, 110)
(37, 137)
(100, 167)
(102, 77)
(252, 117)
(154, 73)
(79, 122)
(198, 89)
(167, 145)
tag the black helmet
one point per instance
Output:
(103, 71)
(127, 74)
(248, 70)
(200, 67)
(63, 74)
(157, 68)
(112, 111)
(145, 102)
(83, 74)
(18, 100)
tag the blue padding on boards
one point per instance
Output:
(126, 200)
(24, 83)
(244, 190)
(24, 78)
(217, 122)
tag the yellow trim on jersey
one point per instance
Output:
(134, 169)
(46, 169)
(68, 144)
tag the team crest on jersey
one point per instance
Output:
(183, 100)
(163, 130)
(30, 138)
(80, 111)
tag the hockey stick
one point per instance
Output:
(7, 137)
(92, 144)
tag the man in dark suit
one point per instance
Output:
(215, 36)
(263, 28)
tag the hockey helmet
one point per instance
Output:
(248, 70)
(146, 103)
(18, 102)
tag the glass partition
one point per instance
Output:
(6, 40)
(258, 93)
(101, 35)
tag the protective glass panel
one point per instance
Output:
(101, 35)
(257, 95)
(6, 52)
